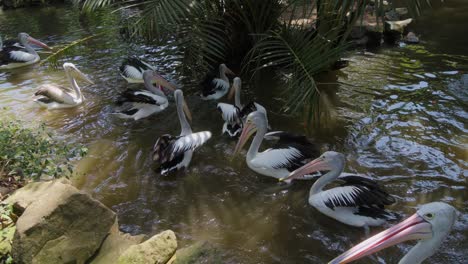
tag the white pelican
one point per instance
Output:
(132, 69)
(284, 157)
(13, 56)
(213, 87)
(55, 97)
(358, 202)
(431, 224)
(138, 104)
(234, 115)
(175, 152)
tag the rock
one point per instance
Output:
(59, 224)
(411, 38)
(114, 245)
(200, 252)
(157, 250)
(399, 25)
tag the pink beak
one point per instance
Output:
(313, 166)
(413, 228)
(38, 43)
(246, 133)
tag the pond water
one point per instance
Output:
(400, 115)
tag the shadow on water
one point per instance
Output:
(399, 115)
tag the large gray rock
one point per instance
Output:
(157, 250)
(59, 224)
(200, 252)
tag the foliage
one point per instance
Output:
(257, 34)
(32, 153)
(7, 230)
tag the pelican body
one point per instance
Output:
(138, 104)
(359, 201)
(288, 154)
(234, 115)
(175, 152)
(15, 56)
(56, 97)
(431, 224)
(132, 69)
(213, 88)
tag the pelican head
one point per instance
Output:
(328, 161)
(150, 76)
(235, 88)
(430, 224)
(74, 72)
(224, 69)
(25, 38)
(180, 101)
(255, 121)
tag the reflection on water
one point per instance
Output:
(401, 117)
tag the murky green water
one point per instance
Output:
(401, 117)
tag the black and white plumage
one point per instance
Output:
(56, 97)
(132, 69)
(138, 104)
(359, 201)
(14, 56)
(214, 87)
(278, 161)
(430, 225)
(9, 43)
(234, 115)
(175, 152)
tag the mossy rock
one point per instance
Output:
(200, 252)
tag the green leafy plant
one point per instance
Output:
(32, 153)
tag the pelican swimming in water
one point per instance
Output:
(431, 224)
(55, 97)
(138, 104)
(14, 57)
(213, 88)
(175, 152)
(358, 202)
(234, 115)
(278, 161)
(132, 69)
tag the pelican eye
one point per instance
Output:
(429, 216)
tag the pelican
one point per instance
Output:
(132, 69)
(284, 157)
(214, 88)
(399, 25)
(234, 115)
(175, 152)
(431, 224)
(56, 97)
(138, 104)
(358, 202)
(14, 57)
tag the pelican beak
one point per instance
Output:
(313, 166)
(38, 43)
(247, 132)
(232, 91)
(163, 82)
(229, 71)
(187, 112)
(82, 76)
(413, 228)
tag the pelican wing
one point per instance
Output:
(56, 93)
(356, 192)
(229, 112)
(289, 158)
(284, 139)
(143, 97)
(169, 147)
(189, 142)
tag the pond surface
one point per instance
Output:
(400, 116)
